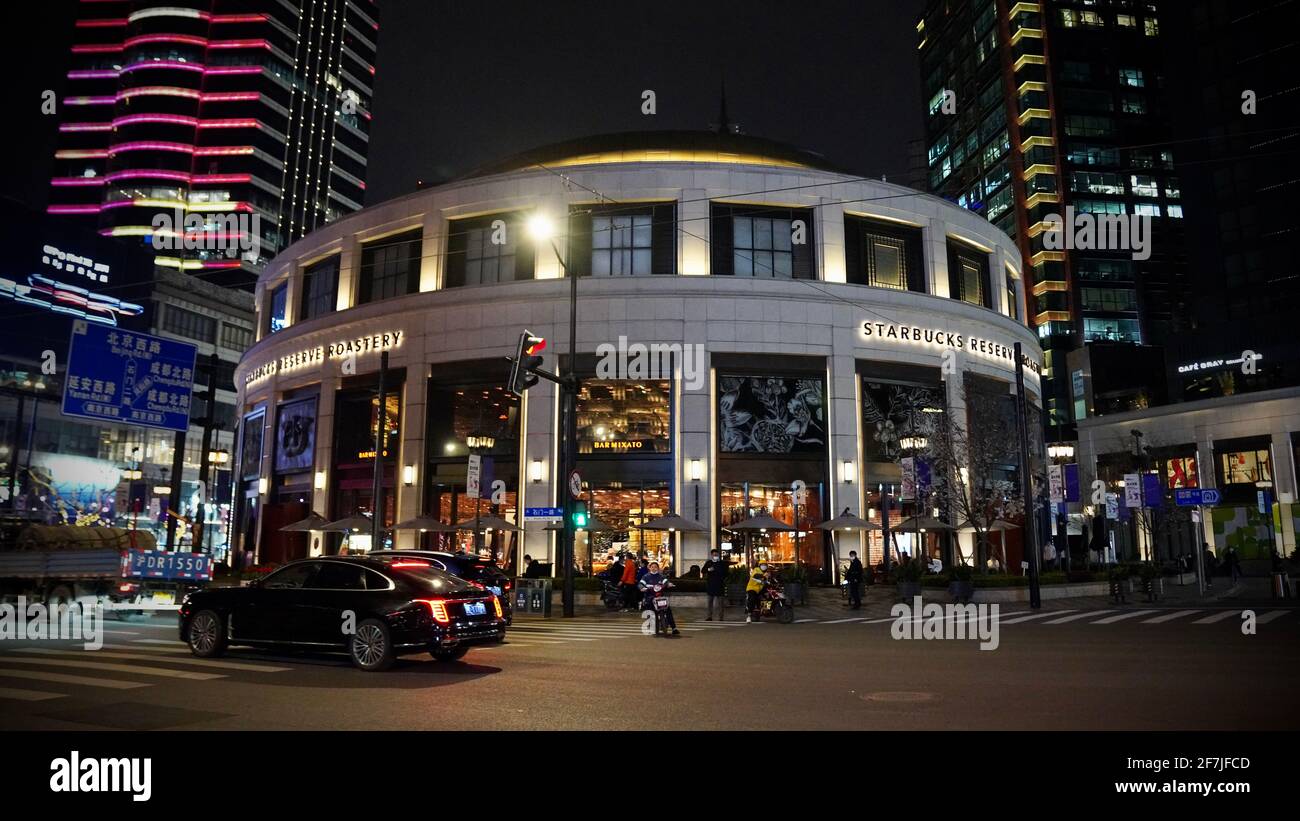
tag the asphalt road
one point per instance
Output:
(1124, 668)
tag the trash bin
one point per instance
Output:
(533, 596)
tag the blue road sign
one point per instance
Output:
(115, 375)
(1193, 496)
(543, 513)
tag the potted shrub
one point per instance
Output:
(794, 578)
(960, 584)
(1152, 584)
(907, 579)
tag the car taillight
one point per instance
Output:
(437, 609)
(125, 587)
(496, 602)
(411, 564)
(509, 584)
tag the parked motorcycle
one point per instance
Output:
(611, 594)
(773, 602)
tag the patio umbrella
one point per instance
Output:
(844, 521)
(762, 521)
(594, 525)
(486, 523)
(313, 522)
(424, 524)
(921, 524)
(674, 522)
(1000, 525)
(351, 524)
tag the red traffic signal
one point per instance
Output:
(527, 358)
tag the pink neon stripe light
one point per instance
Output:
(100, 24)
(238, 18)
(80, 154)
(148, 173)
(158, 91)
(169, 64)
(220, 70)
(240, 44)
(93, 74)
(223, 151)
(230, 96)
(150, 145)
(230, 123)
(224, 264)
(90, 100)
(72, 209)
(85, 127)
(170, 119)
(187, 39)
(69, 182)
(99, 48)
(200, 179)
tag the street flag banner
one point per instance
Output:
(1056, 484)
(1072, 483)
(1132, 490)
(1152, 493)
(1112, 506)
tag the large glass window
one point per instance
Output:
(1112, 330)
(620, 245)
(968, 273)
(771, 243)
(622, 416)
(320, 285)
(390, 267)
(192, 325)
(1246, 467)
(488, 249)
(743, 501)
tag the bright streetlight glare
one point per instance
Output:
(540, 227)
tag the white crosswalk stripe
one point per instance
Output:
(1217, 617)
(1273, 614)
(160, 672)
(18, 694)
(1122, 616)
(64, 678)
(190, 660)
(843, 621)
(1177, 614)
(1077, 616)
(1030, 617)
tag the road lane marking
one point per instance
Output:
(198, 662)
(1268, 617)
(64, 678)
(805, 621)
(27, 695)
(1122, 616)
(842, 621)
(161, 641)
(1085, 614)
(116, 668)
(1171, 616)
(1218, 617)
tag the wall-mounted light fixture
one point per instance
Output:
(262, 485)
(164, 490)
(408, 475)
(849, 472)
(537, 471)
(697, 470)
(320, 480)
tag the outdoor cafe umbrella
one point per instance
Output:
(424, 524)
(1000, 525)
(486, 523)
(313, 522)
(845, 521)
(351, 524)
(759, 523)
(673, 522)
(921, 524)
(593, 525)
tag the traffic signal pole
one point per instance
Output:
(569, 395)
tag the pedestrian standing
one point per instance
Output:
(1208, 562)
(854, 577)
(1234, 564)
(715, 582)
(629, 580)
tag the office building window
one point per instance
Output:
(1131, 77)
(623, 240)
(191, 325)
(390, 267)
(1151, 26)
(236, 338)
(771, 243)
(1013, 299)
(1112, 330)
(488, 249)
(277, 317)
(320, 285)
(1109, 299)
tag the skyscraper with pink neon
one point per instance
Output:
(184, 120)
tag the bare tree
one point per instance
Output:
(971, 464)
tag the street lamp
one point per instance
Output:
(542, 229)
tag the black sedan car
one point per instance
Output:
(374, 608)
(469, 567)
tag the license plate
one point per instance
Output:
(496, 591)
(660, 604)
(164, 598)
(475, 608)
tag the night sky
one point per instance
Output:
(461, 83)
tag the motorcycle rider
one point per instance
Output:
(647, 584)
(753, 590)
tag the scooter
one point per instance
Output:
(611, 594)
(656, 601)
(773, 602)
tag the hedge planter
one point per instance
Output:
(961, 591)
(906, 591)
(736, 595)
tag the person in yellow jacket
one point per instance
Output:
(754, 589)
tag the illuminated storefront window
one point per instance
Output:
(356, 420)
(620, 416)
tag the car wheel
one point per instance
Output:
(371, 647)
(449, 654)
(207, 634)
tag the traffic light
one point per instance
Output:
(528, 355)
(579, 514)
